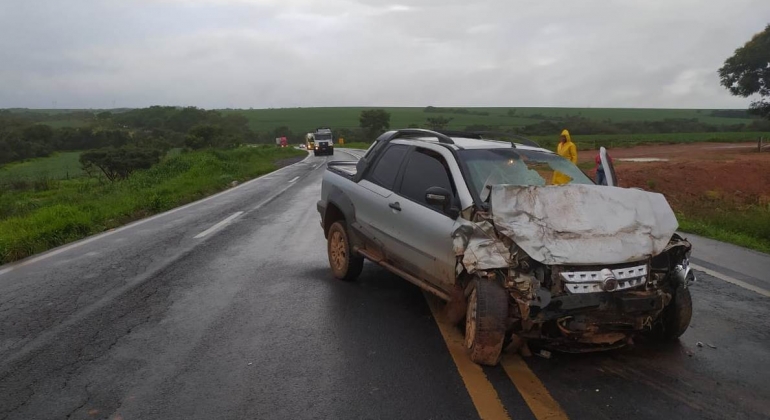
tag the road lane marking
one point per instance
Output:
(481, 391)
(537, 397)
(729, 279)
(293, 179)
(218, 225)
(64, 248)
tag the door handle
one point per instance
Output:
(395, 206)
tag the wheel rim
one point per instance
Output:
(338, 251)
(470, 320)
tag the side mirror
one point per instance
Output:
(442, 198)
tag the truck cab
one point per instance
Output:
(324, 142)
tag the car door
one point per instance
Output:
(424, 231)
(373, 206)
(609, 168)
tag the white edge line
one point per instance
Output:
(54, 252)
(729, 279)
(218, 225)
(293, 179)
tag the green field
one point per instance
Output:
(307, 119)
(593, 141)
(36, 219)
(58, 166)
(589, 142)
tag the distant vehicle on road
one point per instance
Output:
(281, 142)
(309, 141)
(576, 267)
(324, 142)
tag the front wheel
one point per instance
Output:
(345, 265)
(485, 322)
(677, 315)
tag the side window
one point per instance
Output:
(424, 169)
(386, 169)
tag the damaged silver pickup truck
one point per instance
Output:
(575, 267)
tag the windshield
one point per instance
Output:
(517, 167)
(323, 137)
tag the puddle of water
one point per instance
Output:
(643, 159)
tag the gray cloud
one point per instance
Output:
(281, 53)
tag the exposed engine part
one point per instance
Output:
(542, 298)
(683, 274)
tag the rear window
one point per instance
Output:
(519, 167)
(384, 174)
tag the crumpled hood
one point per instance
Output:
(583, 224)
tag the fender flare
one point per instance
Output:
(339, 200)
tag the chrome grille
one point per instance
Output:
(594, 281)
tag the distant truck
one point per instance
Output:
(309, 141)
(324, 141)
(281, 142)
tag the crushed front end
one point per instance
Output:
(561, 299)
(588, 308)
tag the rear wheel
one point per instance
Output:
(344, 264)
(485, 322)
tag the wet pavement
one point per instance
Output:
(155, 321)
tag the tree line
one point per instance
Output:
(375, 121)
(23, 136)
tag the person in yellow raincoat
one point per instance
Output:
(567, 150)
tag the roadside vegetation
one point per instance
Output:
(50, 210)
(59, 184)
(749, 228)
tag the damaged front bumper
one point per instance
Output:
(594, 321)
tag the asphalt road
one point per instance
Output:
(226, 309)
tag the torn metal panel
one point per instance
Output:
(583, 224)
(480, 247)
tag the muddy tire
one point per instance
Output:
(344, 264)
(677, 315)
(485, 322)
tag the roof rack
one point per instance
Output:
(412, 132)
(521, 139)
(466, 134)
(363, 164)
(525, 141)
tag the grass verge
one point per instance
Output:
(747, 228)
(33, 221)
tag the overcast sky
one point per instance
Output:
(288, 53)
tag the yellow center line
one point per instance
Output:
(537, 397)
(481, 391)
